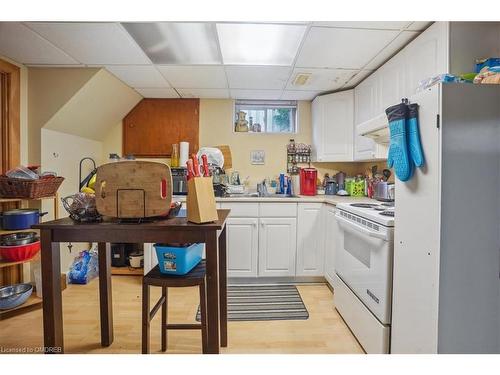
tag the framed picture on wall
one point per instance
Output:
(258, 157)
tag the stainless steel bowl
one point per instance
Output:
(14, 295)
(18, 238)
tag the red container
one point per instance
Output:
(308, 177)
(19, 253)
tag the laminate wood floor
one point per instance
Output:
(323, 332)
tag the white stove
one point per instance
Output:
(380, 213)
(363, 268)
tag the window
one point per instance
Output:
(265, 116)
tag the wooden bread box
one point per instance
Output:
(133, 189)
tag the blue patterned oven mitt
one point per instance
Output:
(415, 147)
(398, 156)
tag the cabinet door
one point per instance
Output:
(277, 246)
(242, 247)
(365, 102)
(333, 122)
(331, 231)
(426, 56)
(310, 239)
(391, 83)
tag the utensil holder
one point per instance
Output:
(200, 201)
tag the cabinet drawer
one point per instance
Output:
(241, 209)
(278, 209)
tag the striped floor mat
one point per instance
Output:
(264, 302)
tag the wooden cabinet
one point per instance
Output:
(331, 238)
(310, 239)
(150, 129)
(242, 247)
(277, 246)
(332, 125)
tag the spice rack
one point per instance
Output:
(296, 154)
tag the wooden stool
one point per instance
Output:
(156, 278)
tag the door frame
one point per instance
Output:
(10, 113)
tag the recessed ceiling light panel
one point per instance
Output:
(259, 44)
(176, 42)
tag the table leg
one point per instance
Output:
(53, 339)
(211, 245)
(106, 305)
(223, 288)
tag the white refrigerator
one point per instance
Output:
(446, 287)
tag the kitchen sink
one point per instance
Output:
(255, 195)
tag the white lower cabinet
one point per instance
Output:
(242, 246)
(331, 237)
(277, 246)
(310, 239)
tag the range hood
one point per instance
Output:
(376, 128)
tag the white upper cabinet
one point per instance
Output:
(426, 56)
(332, 123)
(242, 247)
(310, 239)
(365, 108)
(391, 79)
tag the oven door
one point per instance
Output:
(364, 262)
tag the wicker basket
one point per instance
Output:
(30, 189)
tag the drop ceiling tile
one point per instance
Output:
(397, 44)
(256, 94)
(93, 43)
(157, 93)
(342, 48)
(25, 46)
(259, 44)
(362, 74)
(383, 25)
(195, 76)
(204, 93)
(177, 42)
(299, 95)
(257, 77)
(139, 75)
(321, 79)
(419, 25)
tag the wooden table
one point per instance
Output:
(176, 230)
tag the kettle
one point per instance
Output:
(340, 177)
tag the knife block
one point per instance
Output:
(200, 201)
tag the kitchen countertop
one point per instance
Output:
(329, 199)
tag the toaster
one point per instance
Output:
(384, 191)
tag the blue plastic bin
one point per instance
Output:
(178, 260)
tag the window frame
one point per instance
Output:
(256, 102)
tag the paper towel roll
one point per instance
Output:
(183, 153)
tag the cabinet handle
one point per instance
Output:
(254, 224)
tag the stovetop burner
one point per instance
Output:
(364, 205)
(387, 213)
(380, 208)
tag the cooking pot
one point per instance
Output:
(18, 238)
(22, 218)
(136, 260)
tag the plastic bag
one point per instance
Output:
(84, 268)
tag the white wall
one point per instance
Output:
(61, 153)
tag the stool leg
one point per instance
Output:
(203, 318)
(164, 310)
(145, 319)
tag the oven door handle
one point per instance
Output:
(359, 228)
